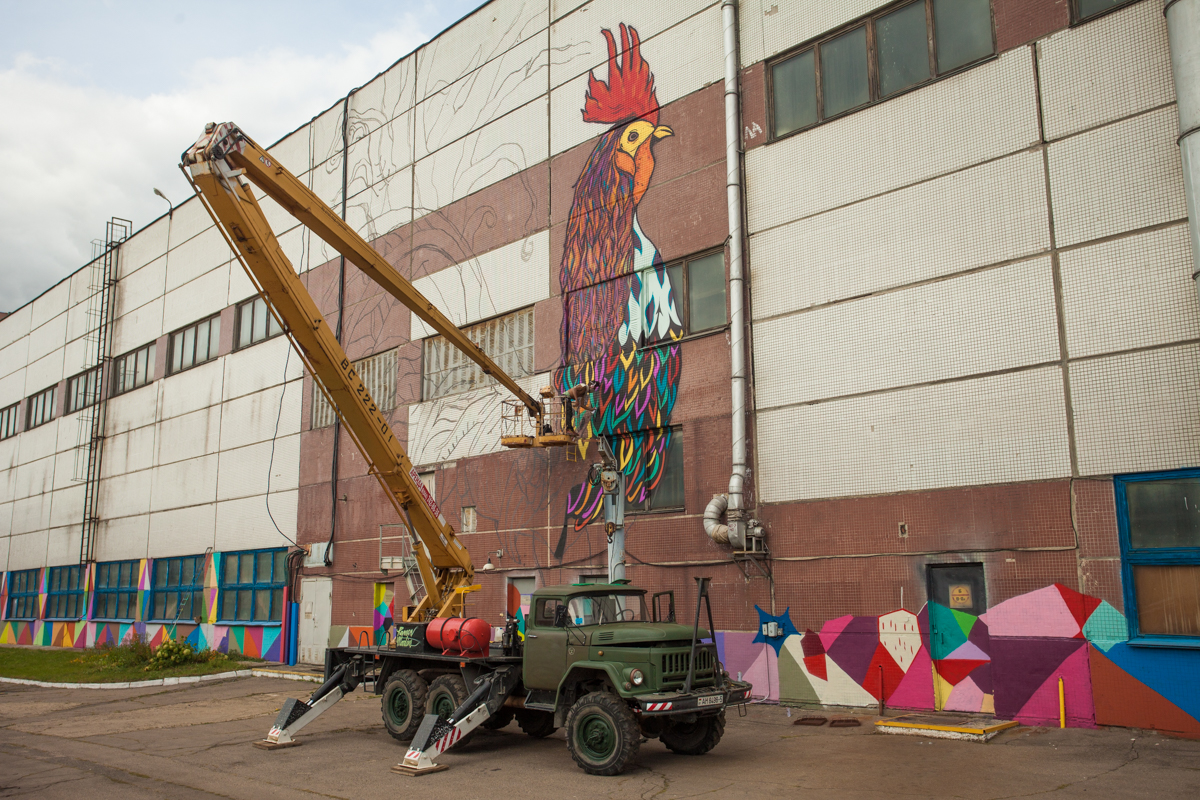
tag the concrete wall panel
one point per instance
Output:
(138, 327)
(985, 215)
(997, 429)
(512, 277)
(895, 144)
(252, 418)
(1136, 291)
(146, 246)
(188, 436)
(1108, 69)
(184, 483)
(1137, 411)
(195, 257)
(191, 389)
(987, 321)
(1117, 178)
(123, 538)
(28, 551)
(127, 494)
(243, 472)
(383, 99)
(245, 525)
(182, 532)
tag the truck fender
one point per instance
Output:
(579, 672)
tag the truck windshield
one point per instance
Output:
(605, 609)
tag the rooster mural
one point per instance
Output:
(620, 318)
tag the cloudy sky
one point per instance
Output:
(99, 98)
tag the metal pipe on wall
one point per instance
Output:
(737, 326)
(1183, 32)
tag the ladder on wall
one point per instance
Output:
(101, 305)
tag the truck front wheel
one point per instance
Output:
(403, 704)
(602, 734)
(694, 738)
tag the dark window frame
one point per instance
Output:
(48, 403)
(253, 306)
(120, 367)
(27, 597)
(57, 594)
(1159, 556)
(123, 595)
(161, 595)
(874, 93)
(676, 439)
(10, 421)
(74, 402)
(173, 341)
(234, 590)
(1078, 17)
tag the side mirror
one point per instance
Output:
(560, 617)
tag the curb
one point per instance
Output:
(219, 676)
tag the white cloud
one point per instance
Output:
(74, 156)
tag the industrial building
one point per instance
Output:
(969, 324)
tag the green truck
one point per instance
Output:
(595, 659)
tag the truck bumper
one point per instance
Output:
(700, 701)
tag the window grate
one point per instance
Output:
(507, 340)
(378, 373)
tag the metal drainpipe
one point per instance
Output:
(737, 346)
(341, 300)
(1183, 31)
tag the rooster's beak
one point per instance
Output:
(662, 132)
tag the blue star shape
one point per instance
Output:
(785, 625)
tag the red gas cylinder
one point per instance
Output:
(459, 637)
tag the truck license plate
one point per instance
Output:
(709, 700)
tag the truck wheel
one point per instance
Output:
(694, 738)
(403, 704)
(602, 734)
(499, 720)
(447, 693)
(538, 724)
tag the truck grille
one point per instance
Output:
(675, 666)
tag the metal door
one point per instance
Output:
(545, 647)
(956, 597)
(316, 612)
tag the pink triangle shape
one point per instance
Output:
(760, 675)
(833, 628)
(966, 696)
(1042, 614)
(916, 688)
(968, 652)
(1042, 707)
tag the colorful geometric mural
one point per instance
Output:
(384, 612)
(621, 315)
(1007, 661)
(259, 641)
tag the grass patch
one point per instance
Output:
(132, 661)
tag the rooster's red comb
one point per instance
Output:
(629, 93)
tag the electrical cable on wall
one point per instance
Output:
(271, 461)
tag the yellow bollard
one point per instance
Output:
(1062, 705)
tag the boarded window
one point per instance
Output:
(507, 340)
(378, 373)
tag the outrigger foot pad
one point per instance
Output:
(267, 744)
(403, 769)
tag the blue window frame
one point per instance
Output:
(1158, 518)
(252, 586)
(176, 589)
(23, 594)
(65, 596)
(116, 590)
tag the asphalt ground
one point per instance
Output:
(193, 741)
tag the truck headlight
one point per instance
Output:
(636, 677)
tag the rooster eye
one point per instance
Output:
(633, 135)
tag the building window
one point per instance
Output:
(116, 590)
(23, 594)
(133, 369)
(8, 421)
(905, 46)
(83, 390)
(470, 520)
(176, 588)
(195, 344)
(255, 323)
(666, 491)
(507, 340)
(252, 586)
(65, 598)
(1158, 516)
(39, 409)
(1086, 9)
(378, 373)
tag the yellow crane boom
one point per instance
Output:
(220, 166)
